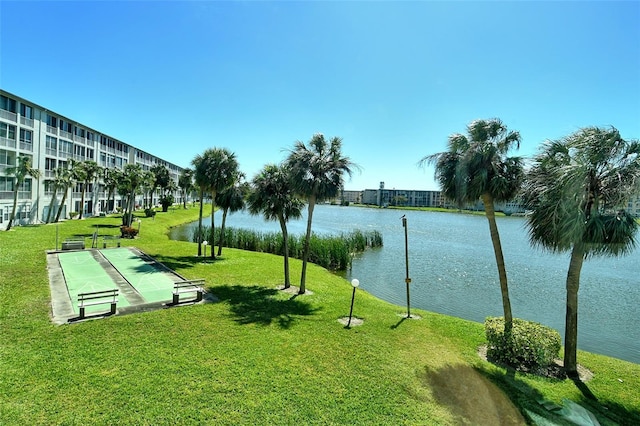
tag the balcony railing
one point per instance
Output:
(51, 129)
(49, 173)
(26, 146)
(26, 121)
(65, 134)
(51, 151)
(10, 143)
(77, 138)
(11, 116)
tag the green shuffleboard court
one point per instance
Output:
(149, 279)
(83, 274)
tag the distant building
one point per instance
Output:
(401, 197)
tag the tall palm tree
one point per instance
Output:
(111, 179)
(58, 183)
(133, 177)
(477, 166)
(161, 179)
(317, 171)
(577, 189)
(87, 172)
(185, 182)
(215, 170)
(273, 196)
(20, 172)
(67, 179)
(231, 200)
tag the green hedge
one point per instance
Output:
(529, 345)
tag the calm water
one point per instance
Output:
(453, 272)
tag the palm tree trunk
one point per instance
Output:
(61, 206)
(487, 199)
(200, 225)
(307, 241)
(221, 239)
(15, 204)
(184, 200)
(213, 228)
(51, 204)
(82, 202)
(285, 248)
(571, 319)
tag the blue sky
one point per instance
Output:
(393, 79)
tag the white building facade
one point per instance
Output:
(51, 140)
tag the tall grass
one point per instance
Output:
(333, 252)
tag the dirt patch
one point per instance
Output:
(471, 397)
(554, 371)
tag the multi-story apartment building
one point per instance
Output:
(401, 197)
(51, 140)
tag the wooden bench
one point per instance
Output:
(73, 244)
(108, 238)
(189, 286)
(98, 298)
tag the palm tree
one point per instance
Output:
(58, 182)
(231, 200)
(161, 178)
(273, 196)
(215, 170)
(148, 185)
(577, 189)
(86, 173)
(185, 182)
(475, 167)
(20, 174)
(133, 177)
(317, 174)
(111, 179)
(66, 179)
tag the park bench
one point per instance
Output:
(110, 239)
(73, 244)
(98, 298)
(188, 286)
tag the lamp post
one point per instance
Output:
(354, 283)
(139, 222)
(407, 280)
(204, 243)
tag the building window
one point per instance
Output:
(52, 143)
(49, 163)
(7, 131)
(26, 136)
(90, 153)
(26, 111)
(52, 121)
(7, 104)
(7, 158)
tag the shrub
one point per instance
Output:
(149, 212)
(530, 345)
(166, 201)
(128, 232)
(73, 214)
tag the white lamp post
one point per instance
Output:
(204, 243)
(354, 283)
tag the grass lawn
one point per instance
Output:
(260, 356)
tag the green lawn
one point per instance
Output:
(258, 356)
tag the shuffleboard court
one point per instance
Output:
(150, 279)
(83, 274)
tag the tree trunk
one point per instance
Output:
(52, 203)
(15, 204)
(61, 206)
(200, 225)
(184, 200)
(487, 199)
(571, 319)
(213, 228)
(285, 248)
(82, 202)
(305, 250)
(221, 239)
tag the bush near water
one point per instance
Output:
(333, 252)
(530, 344)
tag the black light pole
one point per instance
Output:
(407, 280)
(354, 283)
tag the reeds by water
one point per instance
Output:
(333, 252)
